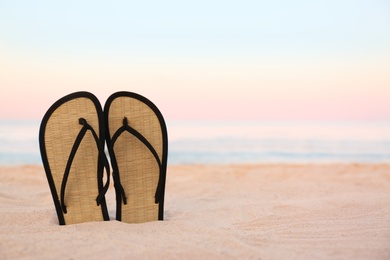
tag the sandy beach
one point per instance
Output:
(318, 211)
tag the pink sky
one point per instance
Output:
(332, 89)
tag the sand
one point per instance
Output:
(214, 212)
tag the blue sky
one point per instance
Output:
(199, 27)
(173, 50)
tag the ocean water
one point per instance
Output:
(215, 142)
(19, 142)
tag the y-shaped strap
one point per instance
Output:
(102, 156)
(139, 136)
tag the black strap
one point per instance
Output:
(102, 156)
(139, 136)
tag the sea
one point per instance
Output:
(236, 142)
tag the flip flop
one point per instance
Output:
(71, 138)
(138, 145)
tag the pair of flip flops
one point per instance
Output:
(73, 136)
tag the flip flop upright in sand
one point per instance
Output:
(138, 145)
(72, 148)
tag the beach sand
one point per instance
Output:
(319, 211)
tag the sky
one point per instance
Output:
(215, 60)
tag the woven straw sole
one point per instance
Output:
(138, 169)
(57, 137)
